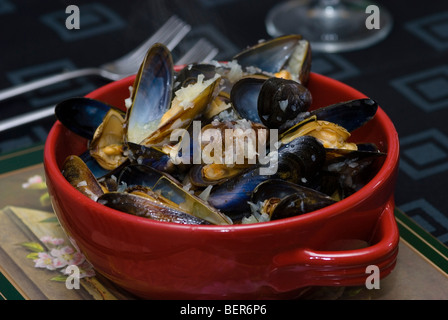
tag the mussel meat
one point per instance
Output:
(107, 142)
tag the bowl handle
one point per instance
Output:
(305, 267)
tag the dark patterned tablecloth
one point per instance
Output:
(407, 73)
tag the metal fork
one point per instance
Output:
(171, 33)
(202, 51)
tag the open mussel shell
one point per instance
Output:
(290, 52)
(189, 202)
(97, 170)
(347, 171)
(270, 55)
(350, 115)
(152, 157)
(151, 95)
(304, 201)
(329, 134)
(282, 199)
(203, 175)
(187, 105)
(82, 115)
(139, 175)
(244, 98)
(78, 174)
(107, 142)
(173, 191)
(273, 188)
(143, 206)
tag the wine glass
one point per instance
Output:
(331, 25)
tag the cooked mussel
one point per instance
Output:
(151, 94)
(82, 115)
(106, 146)
(140, 205)
(189, 102)
(347, 171)
(328, 133)
(80, 177)
(138, 175)
(350, 114)
(152, 157)
(272, 101)
(282, 199)
(244, 98)
(280, 100)
(289, 55)
(173, 191)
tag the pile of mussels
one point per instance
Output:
(132, 164)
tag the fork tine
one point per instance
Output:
(178, 37)
(171, 33)
(166, 31)
(212, 54)
(202, 51)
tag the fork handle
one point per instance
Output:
(46, 81)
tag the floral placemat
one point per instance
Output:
(35, 254)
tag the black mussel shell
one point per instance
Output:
(139, 175)
(143, 207)
(269, 56)
(280, 100)
(303, 201)
(82, 115)
(350, 115)
(273, 188)
(292, 199)
(244, 97)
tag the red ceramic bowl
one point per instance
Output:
(278, 259)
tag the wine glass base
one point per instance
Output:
(337, 28)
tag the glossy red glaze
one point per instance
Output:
(277, 259)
